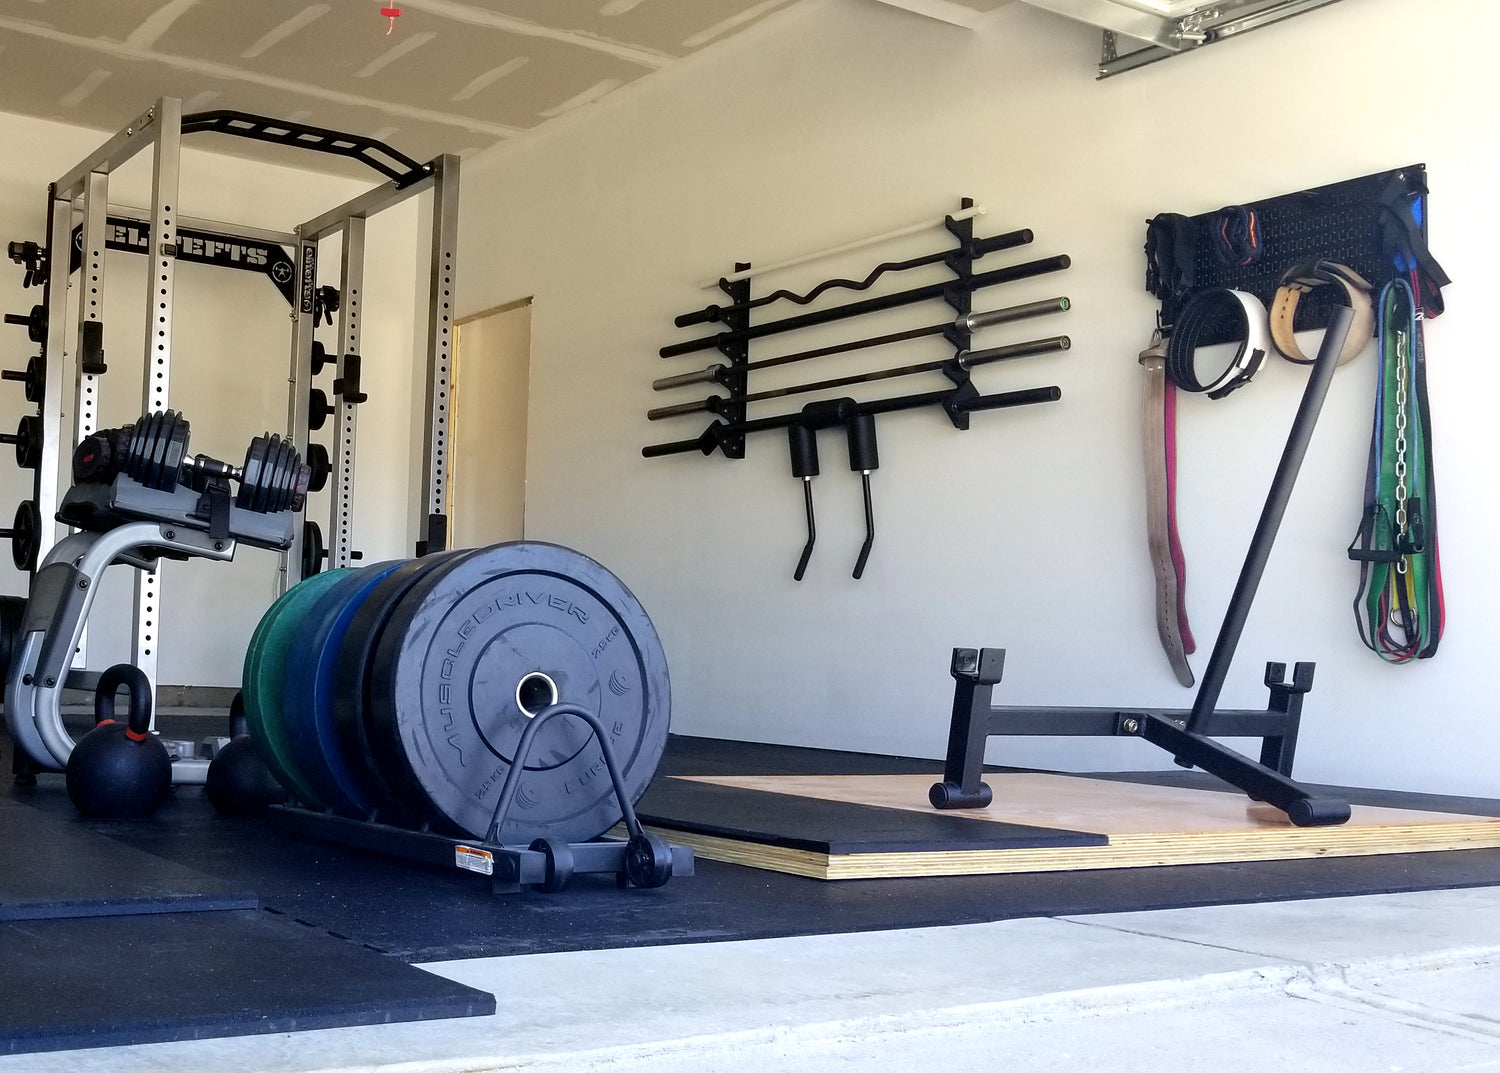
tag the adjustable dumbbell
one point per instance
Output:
(24, 533)
(28, 441)
(153, 452)
(35, 377)
(35, 322)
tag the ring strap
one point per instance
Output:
(1158, 438)
(1197, 314)
(1309, 275)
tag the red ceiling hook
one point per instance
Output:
(392, 13)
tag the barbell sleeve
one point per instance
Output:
(966, 360)
(697, 406)
(972, 322)
(976, 321)
(699, 376)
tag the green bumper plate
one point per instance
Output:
(265, 664)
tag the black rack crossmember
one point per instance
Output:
(392, 163)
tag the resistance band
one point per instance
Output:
(1399, 608)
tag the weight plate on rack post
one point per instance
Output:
(264, 683)
(480, 645)
(351, 682)
(26, 534)
(307, 696)
(314, 551)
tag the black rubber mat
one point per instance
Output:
(111, 981)
(424, 914)
(833, 827)
(52, 865)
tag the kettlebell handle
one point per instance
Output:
(135, 680)
(239, 726)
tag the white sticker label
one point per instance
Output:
(474, 860)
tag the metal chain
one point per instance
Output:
(1401, 490)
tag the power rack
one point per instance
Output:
(81, 219)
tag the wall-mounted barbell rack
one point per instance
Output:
(81, 219)
(732, 424)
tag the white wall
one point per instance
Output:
(845, 118)
(487, 456)
(230, 345)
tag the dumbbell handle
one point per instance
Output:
(214, 468)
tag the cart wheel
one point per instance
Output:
(648, 861)
(559, 864)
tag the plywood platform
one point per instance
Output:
(1142, 826)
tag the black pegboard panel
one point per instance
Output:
(1338, 222)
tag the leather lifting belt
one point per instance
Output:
(1159, 439)
(1301, 278)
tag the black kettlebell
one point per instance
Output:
(239, 783)
(120, 770)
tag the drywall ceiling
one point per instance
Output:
(450, 76)
(958, 12)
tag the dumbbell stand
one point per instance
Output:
(61, 598)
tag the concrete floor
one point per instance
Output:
(1384, 983)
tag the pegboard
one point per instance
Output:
(1338, 222)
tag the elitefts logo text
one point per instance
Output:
(125, 235)
(128, 235)
(309, 276)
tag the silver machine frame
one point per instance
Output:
(81, 197)
(34, 690)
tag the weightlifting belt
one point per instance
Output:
(1159, 438)
(1197, 313)
(1168, 365)
(1309, 275)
